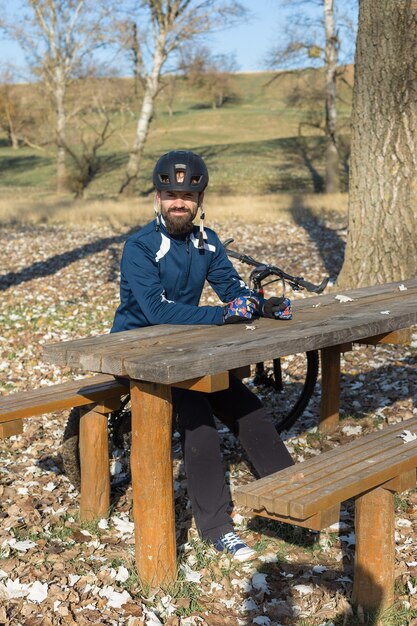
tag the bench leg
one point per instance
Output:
(373, 586)
(152, 482)
(94, 462)
(330, 388)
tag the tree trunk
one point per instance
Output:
(382, 240)
(145, 118)
(61, 172)
(13, 139)
(332, 156)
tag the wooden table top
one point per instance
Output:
(171, 353)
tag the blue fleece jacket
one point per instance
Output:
(162, 277)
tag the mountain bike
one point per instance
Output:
(292, 379)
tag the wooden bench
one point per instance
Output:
(370, 469)
(97, 396)
(92, 390)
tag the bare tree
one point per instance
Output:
(211, 73)
(173, 23)
(56, 36)
(23, 114)
(317, 42)
(382, 231)
(14, 116)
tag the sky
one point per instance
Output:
(250, 41)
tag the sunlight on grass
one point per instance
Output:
(20, 208)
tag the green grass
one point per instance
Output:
(251, 144)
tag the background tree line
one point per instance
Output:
(61, 39)
(164, 39)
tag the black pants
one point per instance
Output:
(242, 412)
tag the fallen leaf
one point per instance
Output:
(342, 298)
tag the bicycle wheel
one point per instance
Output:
(294, 378)
(119, 426)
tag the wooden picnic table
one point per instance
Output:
(200, 357)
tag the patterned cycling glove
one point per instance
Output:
(276, 308)
(241, 309)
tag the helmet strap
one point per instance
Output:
(156, 208)
(203, 235)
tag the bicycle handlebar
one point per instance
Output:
(265, 269)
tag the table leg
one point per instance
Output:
(152, 482)
(94, 463)
(373, 586)
(330, 388)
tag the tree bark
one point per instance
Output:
(382, 241)
(59, 96)
(332, 155)
(145, 118)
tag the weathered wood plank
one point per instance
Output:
(319, 521)
(206, 384)
(390, 465)
(153, 492)
(94, 463)
(60, 352)
(174, 356)
(58, 397)
(330, 388)
(11, 428)
(266, 345)
(327, 470)
(404, 482)
(340, 476)
(397, 337)
(374, 578)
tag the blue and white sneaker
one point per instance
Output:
(232, 544)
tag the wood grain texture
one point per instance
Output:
(169, 355)
(307, 488)
(373, 586)
(94, 463)
(152, 483)
(58, 397)
(330, 388)
(8, 429)
(206, 384)
(397, 337)
(319, 521)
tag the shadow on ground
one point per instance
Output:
(51, 266)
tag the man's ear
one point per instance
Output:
(157, 197)
(200, 198)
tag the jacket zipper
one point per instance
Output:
(187, 274)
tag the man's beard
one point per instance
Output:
(179, 225)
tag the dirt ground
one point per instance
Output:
(60, 282)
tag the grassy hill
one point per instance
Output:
(253, 144)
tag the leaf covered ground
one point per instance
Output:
(61, 282)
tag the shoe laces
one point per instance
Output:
(231, 540)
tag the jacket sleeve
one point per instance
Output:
(140, 269)
(223, 277)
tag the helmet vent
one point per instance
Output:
(164, 179)
(195, 180)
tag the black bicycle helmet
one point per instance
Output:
(180, 170)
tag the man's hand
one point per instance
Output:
(241, 309)
(276, 308)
